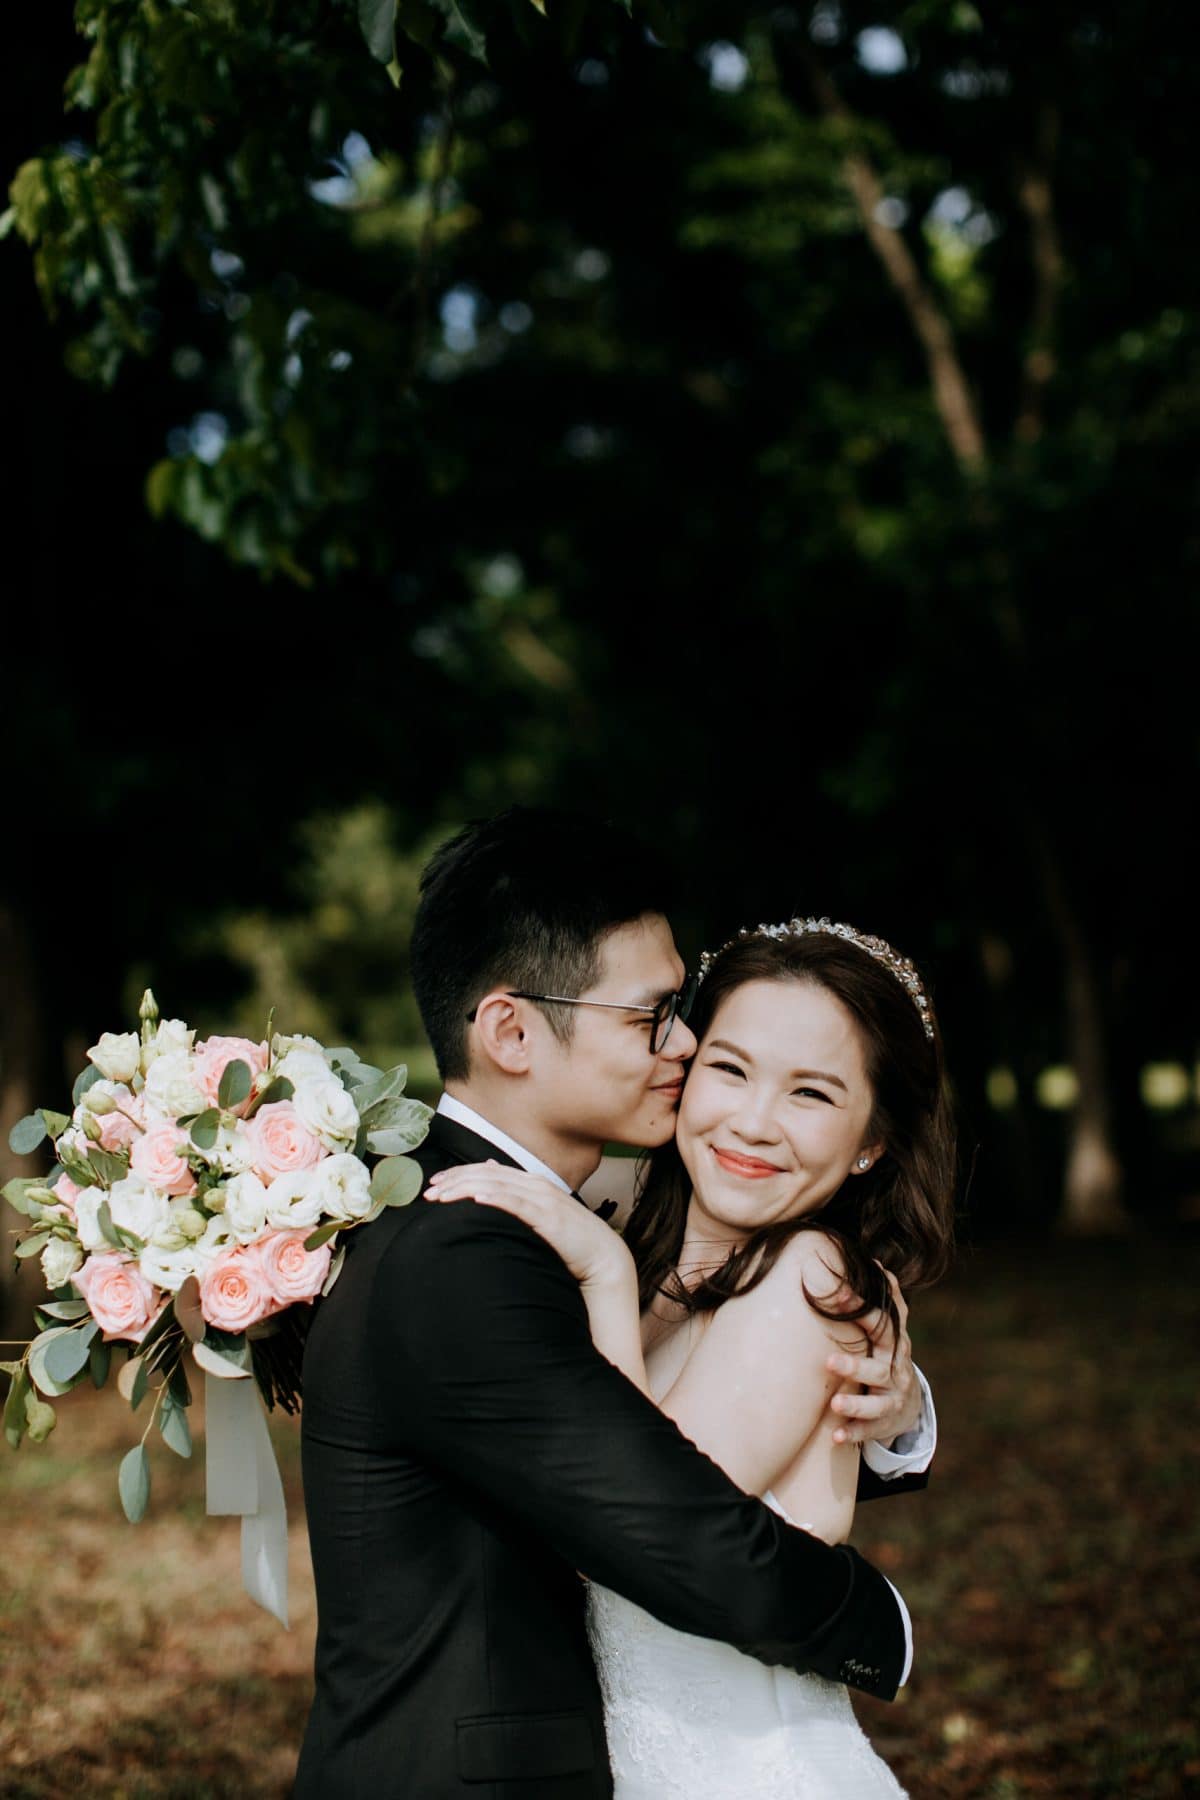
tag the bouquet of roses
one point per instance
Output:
(194, 1207)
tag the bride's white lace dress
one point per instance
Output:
(688, 1717)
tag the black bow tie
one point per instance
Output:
(605, 1210)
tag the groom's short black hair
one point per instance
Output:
(523, 900)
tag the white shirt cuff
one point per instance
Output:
(908, 1637)
(912, 1452)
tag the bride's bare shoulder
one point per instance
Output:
(616, 1179)
(810, 1268)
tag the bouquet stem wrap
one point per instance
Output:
(243, 1479)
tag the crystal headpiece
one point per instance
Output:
(904, 971)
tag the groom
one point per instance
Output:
(466, 1449)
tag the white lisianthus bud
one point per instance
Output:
(116, 1055)
(170, 1087)
(89, 1127)
(283, 1046)
(60, 1260)
(245, 1207)
(328, 1111)
(104, 1097)
(172, 1038)
(190, 1222)
(137, 1207)
(148, 1009)
(344, 1188)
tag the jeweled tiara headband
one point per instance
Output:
(904, 971)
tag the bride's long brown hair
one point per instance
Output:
(901, 1211)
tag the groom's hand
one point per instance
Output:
(890, 1403)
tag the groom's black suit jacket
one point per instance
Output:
(466, 1451)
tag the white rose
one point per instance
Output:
(117, 1055)
(232, 1153)
(171, 1038)
(294, 1202)
(60, 1261)
(302, 1065)
(171, 1088)
(90, 1234)
(170, 1268)
(137, 1207)
(245, 1207)
(328, 1111)
(344, 1188)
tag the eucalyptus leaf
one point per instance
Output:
(109, 1165)
(40, 1419)
(128, 1379)
(87, 1078)
(14, 1408)
(78, 1167)
(377, 21)
(214, 1364)
(380, 1087)
(27, 1134)
(99, 1361)
(64, 1309)
(404, 1125)
(322, 1235)
(204, 1129)
(67, 1356)
(396, 1181)
(187, 1310)
(108, 1230)
(56, 1122)
(235, 1083)
(33, 1246)
(42, 1378)
(16, 1193)
(173, 1424)
(133, 1483)
(280, 1089)
(335, 1269)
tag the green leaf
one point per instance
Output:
(27, 1134)
(204, 1128)
(280, 1089)
(78, 1167)
(99, 1361)
(67, 1310)
(39, 1350)
(67, 1356)
(384, 1086)
(235, 1084)
(217, 1362)
(323, 1234)
(133, 1483)
(173, 1423)
(87, 1078)
(402, 1123)
(108, 1230)
(16, 1193)
(40, 1418)
(14, 1408)
(32, 1246)
(396, 1181)
(109, 1165)
(140, 1383)
(377, 21)
(56, 1122)
(335, 1269)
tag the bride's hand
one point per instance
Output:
(592, 1251)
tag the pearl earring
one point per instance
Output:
(864, 1162)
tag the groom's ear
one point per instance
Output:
(499, 1034)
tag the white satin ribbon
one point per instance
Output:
(243, 1479)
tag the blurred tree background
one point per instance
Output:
(777, 427)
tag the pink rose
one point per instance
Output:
(116, 1130)
(120, 1299)
(213, 1058)
(293, 1272)
(158, 1158)
(280, 1143)
(66, 1193)
(235, 1292)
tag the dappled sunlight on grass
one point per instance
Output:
(1050, 1569)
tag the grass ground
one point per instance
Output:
(1051, 1568)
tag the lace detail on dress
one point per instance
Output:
(691, 1719)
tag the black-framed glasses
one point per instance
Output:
(662, 1015)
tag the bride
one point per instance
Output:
(814, 1137)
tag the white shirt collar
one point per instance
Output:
(462, 1114)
